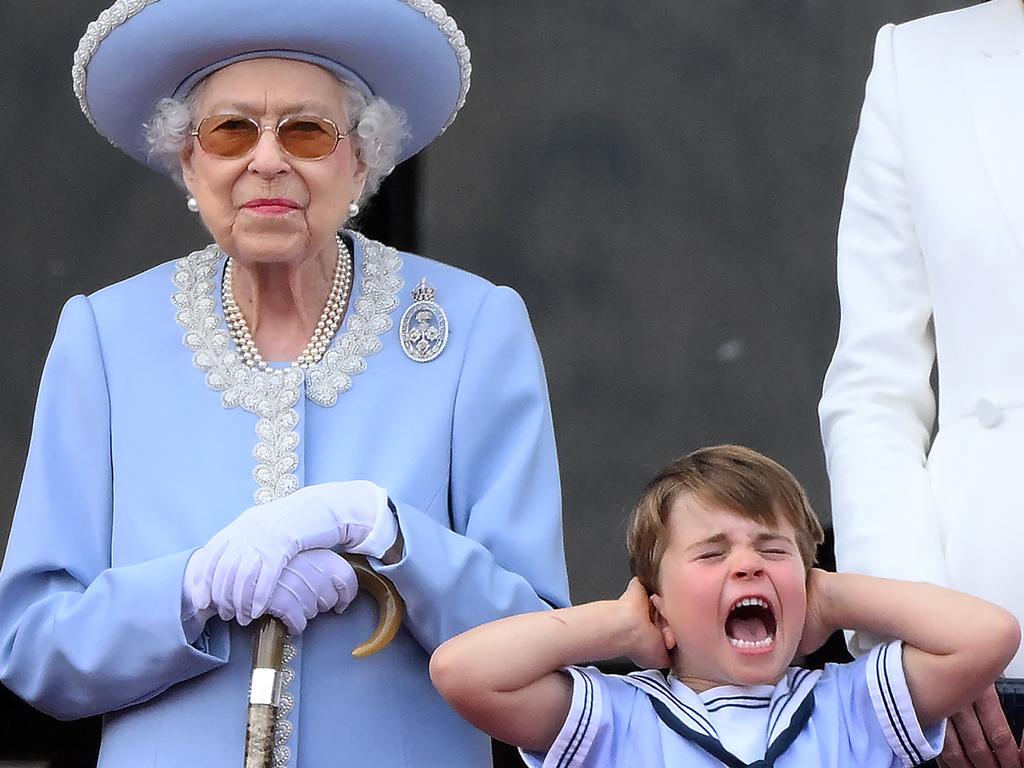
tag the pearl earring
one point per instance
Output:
(192, 204)
(353, 209)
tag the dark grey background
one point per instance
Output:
(660, 180)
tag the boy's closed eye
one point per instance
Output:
(710, 554)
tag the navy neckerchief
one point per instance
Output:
(791, 708)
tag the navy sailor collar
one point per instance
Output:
(683, 711)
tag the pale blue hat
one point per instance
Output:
(409, 52)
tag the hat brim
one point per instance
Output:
(408, 52)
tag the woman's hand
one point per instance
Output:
(818, 626)
(646, 645)
(239, 568)
(979, 737)
(314, 581)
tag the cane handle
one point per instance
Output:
(389, 605)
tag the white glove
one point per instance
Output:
(238, 569)
(314, 581)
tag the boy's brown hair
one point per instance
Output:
(737, 478)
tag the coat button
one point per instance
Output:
(988, 413)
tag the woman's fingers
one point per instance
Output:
(952, 750)
(266, 580)
(311, 582)
(249, 568)
(288, 608)
(200, 569)
(996, 730)
(343, 581)
(971, 746)
(221, 584)
(314, 581)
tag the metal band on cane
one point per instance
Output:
(268, 657)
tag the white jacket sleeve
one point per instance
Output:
(878, 409)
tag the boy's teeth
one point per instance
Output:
(751, 601)
(752, 643)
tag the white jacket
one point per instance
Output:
(931, 265)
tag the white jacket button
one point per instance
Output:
(988, 413)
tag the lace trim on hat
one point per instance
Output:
(437, 14)
(96, 33)
(122, 10)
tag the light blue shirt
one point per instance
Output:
(857, 714)
(135, 461)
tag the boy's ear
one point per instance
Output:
(659, 620)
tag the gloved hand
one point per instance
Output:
(193, 619)
(314, 581)
(237, 570)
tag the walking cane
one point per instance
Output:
(268, 651)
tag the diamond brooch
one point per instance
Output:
(424, 326)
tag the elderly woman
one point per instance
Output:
(212, 435)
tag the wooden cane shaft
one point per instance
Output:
(268, 654)
(264, 691)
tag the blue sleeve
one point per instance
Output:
(876, 713)
(79, 637)
(503, 553)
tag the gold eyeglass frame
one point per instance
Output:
(338, 134)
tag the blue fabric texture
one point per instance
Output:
(134, 463)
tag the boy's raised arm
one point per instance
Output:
(505, 678)
(955, 645)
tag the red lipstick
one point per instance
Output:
(271, 206)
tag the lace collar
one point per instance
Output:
(267, 393)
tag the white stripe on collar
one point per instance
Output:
(789, 694)
(685, 704)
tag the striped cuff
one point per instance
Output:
(890, 695)
(574, 740)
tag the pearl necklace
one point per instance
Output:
(326, 328)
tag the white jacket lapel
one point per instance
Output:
(995, 84)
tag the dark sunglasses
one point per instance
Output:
(304, 137)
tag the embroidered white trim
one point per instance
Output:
(437, 14)
(96, 33)
(273, 394)
(122, 10)
(282, 725)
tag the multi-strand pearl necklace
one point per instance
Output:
(326, 328)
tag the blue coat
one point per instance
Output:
(145, 445)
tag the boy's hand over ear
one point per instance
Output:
(646, 646)
(818, 625)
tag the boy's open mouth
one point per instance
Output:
(751, 624)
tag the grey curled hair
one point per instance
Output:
(380, 131)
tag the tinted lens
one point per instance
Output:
(228, 135)
(309, 138)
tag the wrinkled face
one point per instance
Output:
(732, 596)
(267, 206)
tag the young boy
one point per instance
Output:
(723, 541)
